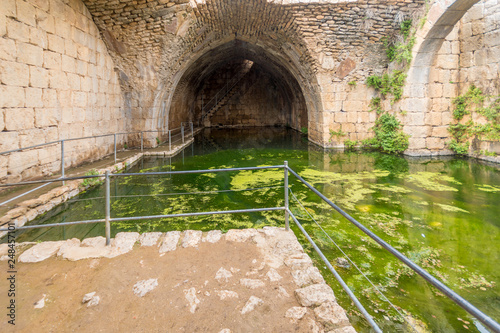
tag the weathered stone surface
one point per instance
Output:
(296, 313)
(169, 241)
(98, 241)
(94, 301)
(225, 330)
(40, 252)
(331, 315)
(299, 261)
(252, 283)
(347, 329)
(149, 238)
(224, 294)
(315, 294)
(273, 275)
(305, 277)
(223, 275)
(213, 236)
(191, 238)
(41, 303)
(88, 297)
(282, 292)
(123, 243)
(342, 262)
(251, 304)
(240, 235)
(193, 301)
(143, 287)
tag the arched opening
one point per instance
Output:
(237, 84)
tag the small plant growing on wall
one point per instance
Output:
(91, 181)
(157, 141)
(337, 134)
(304, 130)
(352, 84)
(474, 101)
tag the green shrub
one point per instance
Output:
(350, 144)
(91, 181)
(389, 136)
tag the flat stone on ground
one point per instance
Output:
(149, 238)
(40, 252)
(251, 304)
(331, 315)
(143, 287)
(296, 313)
(169, 241)
(213, 236)
(252, 283)
(223, 274)
(191, 238)
(315, 294)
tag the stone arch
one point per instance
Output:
(288, 74)
(442, 17)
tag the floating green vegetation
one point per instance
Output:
(431, 181)
(451, 208)
(251, 178)
(487, 188)
(390, 188)
(476, 281)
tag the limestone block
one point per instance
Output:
(434, 143)
(315, 294)
(149, 238)
(51, 60)
(418, 131)
(57, 79)
(9, 7)
(33, 97)
(31, 137)
(56, 43)
(2, 122)
(26, 13)
(70, 48)
(81, 67)
(49, 97)
(193, 301)
(435, 90)
(63, 27)
(440, 131)
(340, 117)
(18, 31)
(251, 304)
(169, 241)
(296, 313)
(308, 276)
(40, 252)
(235, 235)
(8, 50)
(213, 236)
(39, 77)
(450, 90)
(9, 140)
(331, 315)
(14, 74)
(79, 99)
(19, 119)
(191, 238)
(433, 118)
(252, 283)
(143, 287)
(30, 54)
(355, 106)
(74, 81)
(124, 242)
(68, 64)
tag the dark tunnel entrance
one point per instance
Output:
(238, 85)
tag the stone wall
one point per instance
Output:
(479, 38)
(57, 81)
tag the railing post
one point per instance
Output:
(142, 141)
(182, 132)
(191, 130)
(62, 159)
(287, 224)
(170, 140)
(115, 146)
(108, 210)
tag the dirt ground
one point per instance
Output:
(164, 309)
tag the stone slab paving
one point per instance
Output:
(244, 280)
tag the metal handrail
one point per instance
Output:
(483, 318)
(62, 141)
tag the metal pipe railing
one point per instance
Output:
(62, 142)
(483, 318)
